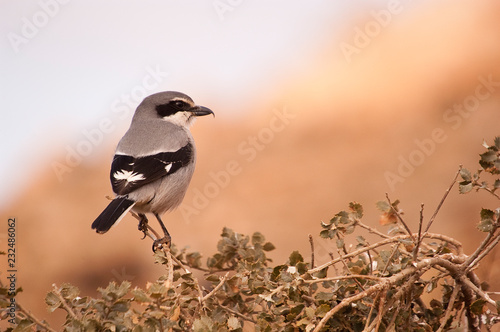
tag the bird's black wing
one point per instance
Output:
(129, 173)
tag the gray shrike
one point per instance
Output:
(153, 162)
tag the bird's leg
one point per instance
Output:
(143, 224)
(164, 240)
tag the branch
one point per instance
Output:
(442, 200)
(352, 276)
(449, 309)
(408, 231)
(419, 237)
(311, 242)
(219, 285)
(457, 245)
(64, 304)
(33, 318)
(386, 283)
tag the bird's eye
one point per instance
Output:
(179, 104)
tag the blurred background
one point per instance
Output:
(318, 104)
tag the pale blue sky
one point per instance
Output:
(66, 65)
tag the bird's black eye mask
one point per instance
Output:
(171, 108)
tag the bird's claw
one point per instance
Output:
(158, 244)
(143, 227)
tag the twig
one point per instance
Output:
(385, 236)
(352, 276)
(349, 271)
(236, 313)
(465, 281)
(372, 230)
(28, 314)
(176, 260)
(368, 318)
(380, 310)
(487, 189)
(311, 242)
(484, 253)
(419, 237)
(457, 245)
(486, 242)
(408, 231)
(170, 268)
(371, 262)
(390, 258)
(219, 285)
(442, 200)
(392, 324)
(449, 309)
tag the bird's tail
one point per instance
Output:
(112, 214)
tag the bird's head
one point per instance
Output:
(171, 106)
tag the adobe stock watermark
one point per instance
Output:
(224, 7)
(121, 108)
(30, 27)
(247, 150)
(454, 117)
(121, 276)
(363, 36)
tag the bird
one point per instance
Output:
(153, 163)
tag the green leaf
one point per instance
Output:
(477, 307)
(268, 246)
(487, 220)
(465, 174)
(383, 206)
(213, 278)
(356, 209)
(24, 326)
(322, 310)
(140, 295)
(233, 323)
(121, 306)
(69, 292)
(203, 324)
(464, 187)
(258, 238)
(325, 234)
(340, 243)
(53, 301)
(156, 290)
(361, 240)
(194, 259)
(321, 274)
(324, 297)
(497, 142)
(489, 156)
(295, 257)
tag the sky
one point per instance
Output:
(68, 65)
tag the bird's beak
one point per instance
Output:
(201, 111)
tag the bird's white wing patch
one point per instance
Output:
(168, 167)
(128, 176)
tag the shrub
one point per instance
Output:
(419, 281)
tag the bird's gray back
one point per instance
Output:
(150, 136)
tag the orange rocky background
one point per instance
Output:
(328, 135)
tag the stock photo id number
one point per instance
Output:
(11, 268)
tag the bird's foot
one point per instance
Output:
(143, 227)
(159, 243)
